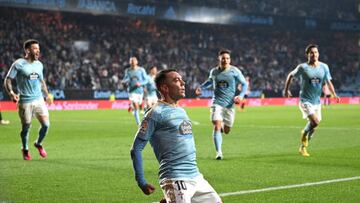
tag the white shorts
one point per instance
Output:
(136, 98)
(196, 190)
(35, 108)
(151, 99)
(308, 109)
(219, 113)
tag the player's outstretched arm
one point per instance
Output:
(45, 90)
(288, 81)
(8, 87)
(136, 157)
(332, 90)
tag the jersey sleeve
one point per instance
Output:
(143, 134)
(126, 78)
(13, 70)
(209, 82)
(144, 77)
(327, 76)
(41, 75)
(241, 79)
(297, 71)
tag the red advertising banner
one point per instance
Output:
(124, 104)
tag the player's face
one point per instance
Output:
(224, 60)
(34, 51)
(153, 71)
(133, 62)
(313, 54)
(175, 86)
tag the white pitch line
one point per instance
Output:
(130, 120)
(289, 186)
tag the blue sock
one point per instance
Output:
(42, 132)
(217, 140)
(24, 134)
(307, 128)
(137, 117)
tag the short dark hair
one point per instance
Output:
(309, 47)
(224, 51)
(29, 42)
(161, 76)
(152, 67)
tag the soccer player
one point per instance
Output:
(135, 77)
(28, 74)
(224, 79)
(169, 130)
(312, 74)
(151, 96)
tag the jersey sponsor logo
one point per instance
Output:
(34, 76)
(185, 128)
(315, 81)
(222, 84)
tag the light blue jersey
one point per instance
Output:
(224, 83)
(28, 77)
(169, 131)
(312, 79)
(150, 86)
(133, 76)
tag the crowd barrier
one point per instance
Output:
(124, 104)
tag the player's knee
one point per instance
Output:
(315, 123)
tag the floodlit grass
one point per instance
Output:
(88, 157)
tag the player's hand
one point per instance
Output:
(49, 99)
(148, 189)
(287, 93)
(14, 97)
(138, 84)
(337, 99)
(238, 99)
(198, 91)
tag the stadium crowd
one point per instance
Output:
(313, 9)
(83, 51)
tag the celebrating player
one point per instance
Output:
(169, 130)
(151, 96)
(28, 74)
(313, 74)
(224, 79)
(135, 77)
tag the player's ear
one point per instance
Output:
(164, 88)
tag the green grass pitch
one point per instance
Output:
(88, 157)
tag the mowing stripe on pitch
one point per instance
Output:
(289, 186)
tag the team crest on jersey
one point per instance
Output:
(185, 128)
(223, 84)
(33, 76)
(315, 81)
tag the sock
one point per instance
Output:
(217, 140)
(311, 132)
(136, 114)
(24, 134)
(42, 132)
(307, 128)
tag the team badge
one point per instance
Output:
(185, 128)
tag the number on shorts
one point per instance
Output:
(180, 184)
